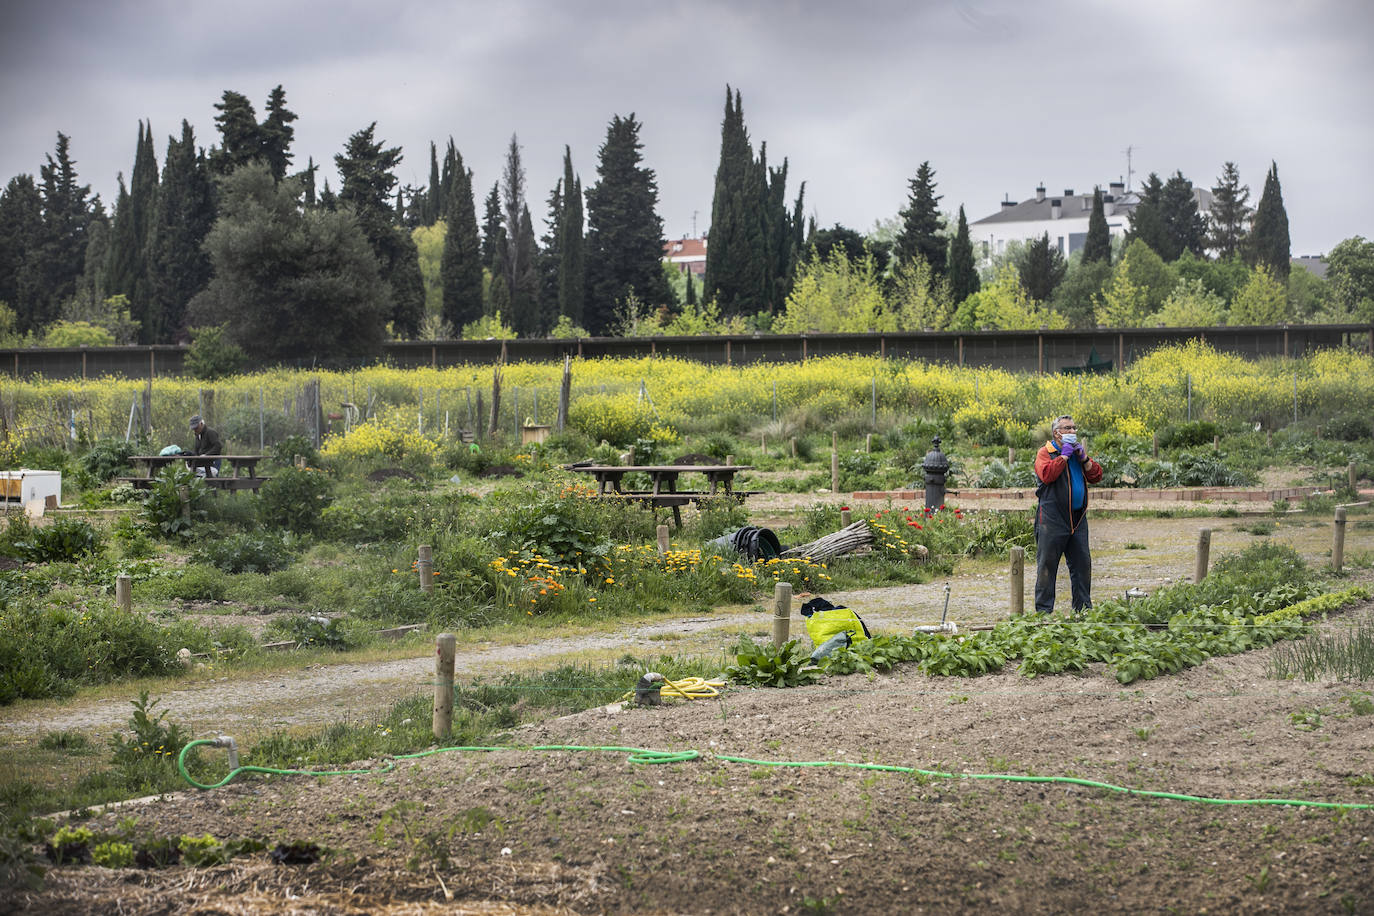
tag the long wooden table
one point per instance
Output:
(664, 478)
(244, 467)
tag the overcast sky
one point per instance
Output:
(999, 95)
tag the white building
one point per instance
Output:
(1064, 217)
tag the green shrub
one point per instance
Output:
(212, 355)
(164, 509)
(262, 552)
(193, 582)
(1348, 427)
(64, 540)
(1188, 435)
(108, 458)
(294, 499)
(285, 451)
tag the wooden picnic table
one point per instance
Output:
(244, 468)
(664, 478)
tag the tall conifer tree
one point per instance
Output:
(48, 277)
(1229, 213)
(963, 272)
(460, 266)
(21, 227)
(1268, 244)
(276, 133)
(625, 234)
(178, 267)
(1098, 245)
(493, 229)
(920, 235)
(739, 264)
(521, 253)
(1147, 220)
(366, 167)
(572, 261)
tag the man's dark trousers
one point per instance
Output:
(1050, 546)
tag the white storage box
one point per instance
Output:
(25, 486)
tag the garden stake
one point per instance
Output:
(782, 612)
(846, 519)
(445, 646)
(1204, 548)
(834, 463)
(124, 592)
(1351, 476)
(1018, 581)
(662, 539)
(425, 564)
(1338, 548)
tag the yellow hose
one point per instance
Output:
(689, 688)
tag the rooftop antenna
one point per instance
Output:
(1129, 171)
(694, 224)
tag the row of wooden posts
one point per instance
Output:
(446, 643)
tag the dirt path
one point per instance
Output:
(323, 694)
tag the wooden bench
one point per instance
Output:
(214, 483)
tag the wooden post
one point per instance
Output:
(445, 646)
(1204, 548)
(1011, 456)
(868, 443)
(564, 393)
(794, 446)
(124, 596)
(846, 518)
(763, 444)
(425, 564)
(834, 463)
(1017, 590)
(729, 460)
(662, 539)
(1351, 476)
(1154, 445)
(1216, 443)
(184, 494)
(1338, 547)
(782, 612)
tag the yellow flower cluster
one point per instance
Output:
(375, 439)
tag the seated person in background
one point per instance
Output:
(208, 442)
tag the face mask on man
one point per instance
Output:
(1070, 438)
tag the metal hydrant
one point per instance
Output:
(936, 467)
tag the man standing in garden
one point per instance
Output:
(208, 442)
(1064, 471)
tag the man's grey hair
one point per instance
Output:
(1054, 427)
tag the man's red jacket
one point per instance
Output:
(1055, 492)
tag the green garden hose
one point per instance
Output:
(647, 756)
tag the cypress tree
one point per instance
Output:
(276, 133)
(178, 267)
(738, 260)
(1268, 244)
(963, 272)
(550, 255)
(126, 265)
(493, 231)
(521, 254)
(1227, 217)
(690, 298)
(625, 236)
(1098, 245)
(572, 262)
(434, 207)
(460, 267)
(307, 177)
(921, 224)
